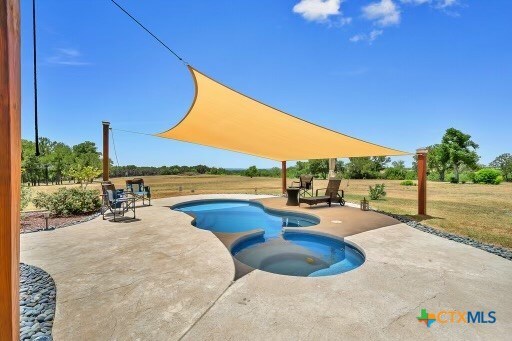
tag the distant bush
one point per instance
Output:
(395, 173)
(377, 192)
(26, 194)
(251, 171)
(467, 177)
(67, 201)
(408, 183)
(488, 176)
(433, 176)
(411, 175)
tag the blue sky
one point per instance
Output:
(394, 72)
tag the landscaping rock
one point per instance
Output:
(37, 303)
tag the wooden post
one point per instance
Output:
(10, 168)
(422, 180)
(283, 177)
(106, 127)
(332, 168)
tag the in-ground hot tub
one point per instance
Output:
(274, 248)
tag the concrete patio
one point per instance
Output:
(159, 278)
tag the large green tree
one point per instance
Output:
(461, 150)
(366, 167)
(86, 154)
(361, 168)
(251, 171)
(60, 160)
(504, 163)
(438, 159)
(31, 164)
(319, 167)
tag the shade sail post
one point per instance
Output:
(283, 177)
(106, 127)
(422, 180)
(10, 168)
(332, 168)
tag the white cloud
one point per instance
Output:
(416, 2)
(67, 56)
(345, 21)
(384, 13)
(318, 10)
(439, 4)
(70, 52)
(370, 37)
(446, 3)
(357, 37)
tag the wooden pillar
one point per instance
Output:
(106, 127)
(422, 180)
(10, 168)
(283, 177)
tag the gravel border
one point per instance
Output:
(497, 250)
(37, 303)
(53, 227)
(87, 218)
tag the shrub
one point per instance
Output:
(411, 175)
(26, 195)
(377, 192)
(488, 176)
(408, 183)
(467, 177)
(395, 173)
(83, 175)
(67, 201)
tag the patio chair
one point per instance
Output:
(305, 185)
(332, 194)
(116, 201)
(139, 190)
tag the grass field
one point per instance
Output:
(482, 212)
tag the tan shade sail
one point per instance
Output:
(223, 118)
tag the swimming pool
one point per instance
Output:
(231, 216)
(276, 249)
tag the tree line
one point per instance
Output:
(454, 158)
(58, 161)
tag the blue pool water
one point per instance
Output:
(288, 253)
(230, 216)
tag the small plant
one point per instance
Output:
(377, 192)
(488, 176)
(84, 175)
(68, 201)
(26, 195)
(408, 183)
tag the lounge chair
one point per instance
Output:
(116, 201)
(305, 185)
(137, 188)
(332, 194)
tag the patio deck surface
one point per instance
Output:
(161, 278)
